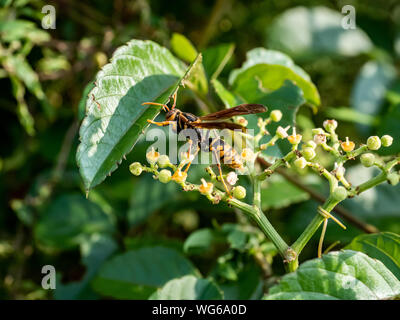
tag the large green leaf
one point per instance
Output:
(139, 71)
(136, 274)
(310, 32)
(69, 220)
(383, 246)
(348, 275)
(215, 58)
(188, 288)
(267, 70)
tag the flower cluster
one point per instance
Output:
(302, 155)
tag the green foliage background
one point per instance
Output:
(95, 244)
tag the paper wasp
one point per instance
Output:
(222, 151)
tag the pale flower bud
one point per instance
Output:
(330, 125)
(152, 156)
(319, 139)
(242, 121)
(232, 178)
(248, 155)
(282, 132)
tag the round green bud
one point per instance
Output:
(317, 131)
(374, 143)
(163, 161)
(276, 115)
(330, 125)
(300, 163)
(311, 144)
(136, 168)
(239, 192)
(387, 140)
(164, 176)
(339, 194)
(308, 153)
(367, 159)
(393, 178)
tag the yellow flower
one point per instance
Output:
(205, 187)
(179, 176)
(348, 145)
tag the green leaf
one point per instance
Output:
(94, 252)
(266, 70)
(227, 97)
(201, 241)
(279, 193)
(137, 274)
(69, 220)
(287, 99)
(215, 59)
(24, 116)
(183, 48)
(383, 246)
(188, 288)
(149, 196)
(18, 66)
(369, 90)
(375, 204)
(140, 71)
(247, 286)
(390, 125)
(12, 30)
(351, 115)
(311, 32)
(82, 102)
(196, 78)
(347, 275)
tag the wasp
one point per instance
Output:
(221, 151)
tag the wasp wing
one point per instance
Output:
(239, 110)
(218, 125)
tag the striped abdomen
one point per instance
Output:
(227, 155)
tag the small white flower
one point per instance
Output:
(232, 178)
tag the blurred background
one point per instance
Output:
(44, 215)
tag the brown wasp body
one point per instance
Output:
(222, 151)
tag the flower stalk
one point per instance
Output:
(340, 188)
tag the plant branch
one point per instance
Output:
(341, 211)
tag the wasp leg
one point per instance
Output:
(194, 156)
(164, 106)
(174, 97)
(160, 124)
(220, 172)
